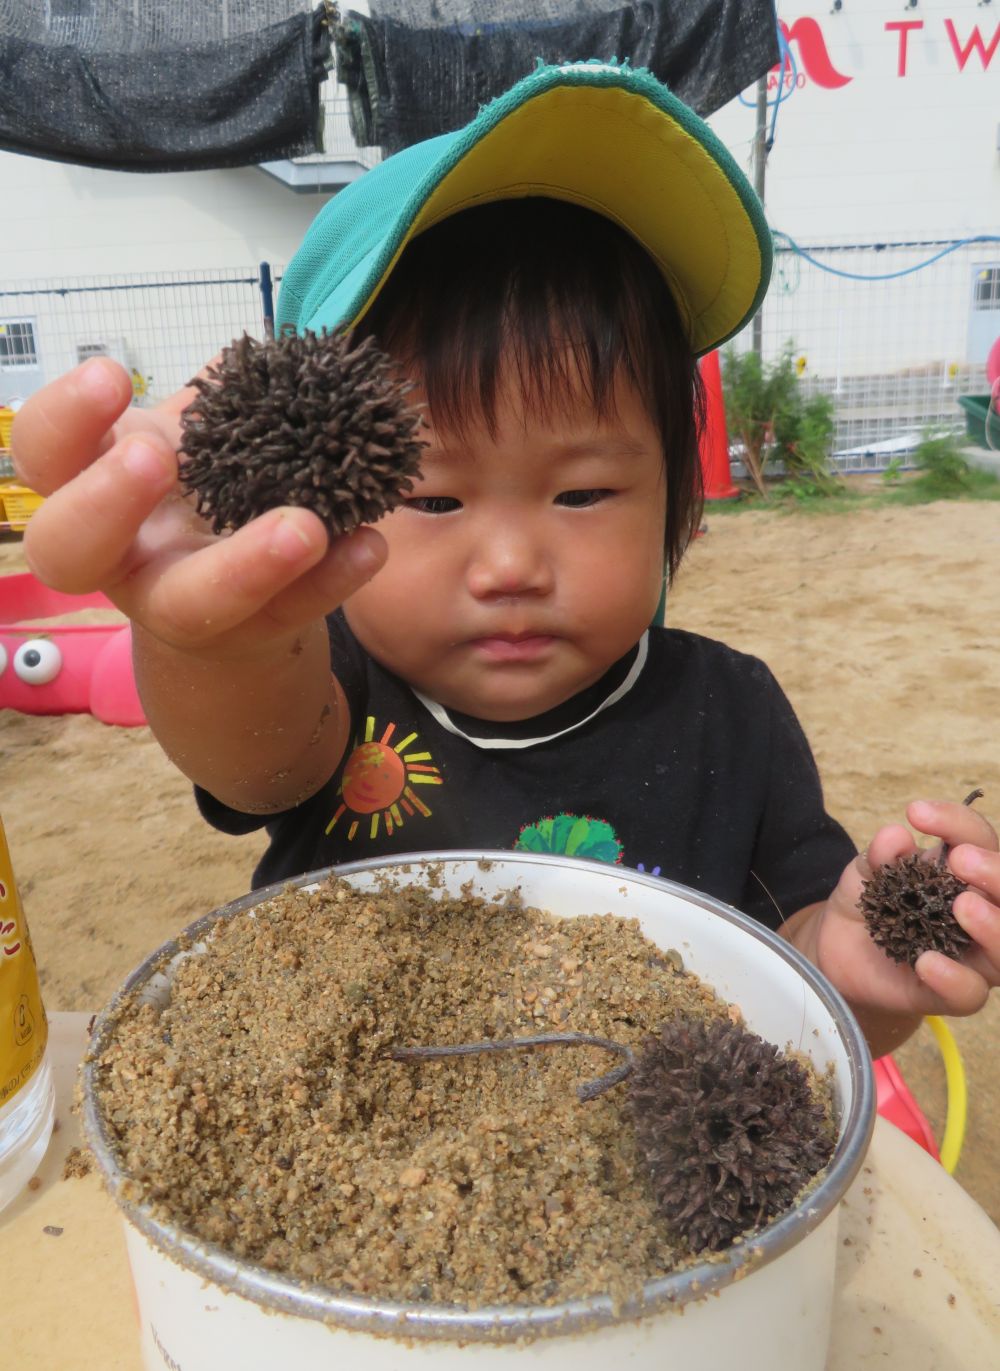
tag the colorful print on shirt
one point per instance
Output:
(573, 835)
(378, 783)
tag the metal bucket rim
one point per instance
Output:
(506, 1323)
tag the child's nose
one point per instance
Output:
(508, 560)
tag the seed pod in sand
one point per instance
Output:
(729, 1129)
(303, 419)
(907, 906)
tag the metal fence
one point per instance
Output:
(893, 331)
(162, 330)
(894, 353)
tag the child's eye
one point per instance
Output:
(581, 499)
(433, 504)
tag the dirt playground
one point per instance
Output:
(882, 626)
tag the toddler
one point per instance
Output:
(479, 671)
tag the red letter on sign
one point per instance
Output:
(904, 26)
(962, 55)
(812, 49)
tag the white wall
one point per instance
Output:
(902, 148)
(79, 227)
(884, 154)
(913, 155)
(60, 220)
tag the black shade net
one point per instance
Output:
(161, 85)
(181, 85)
(417, 68)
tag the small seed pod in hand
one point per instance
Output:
(907, 906)
(730, 1130)
(304, 419)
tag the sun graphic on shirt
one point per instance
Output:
(378, 780)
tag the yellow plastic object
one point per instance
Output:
(17, 504)
(954, 1128)
(6, 424)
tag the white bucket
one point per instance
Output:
(757, 1306)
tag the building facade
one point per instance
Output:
(882, 185)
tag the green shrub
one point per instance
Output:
(766, 410)
(944, 472)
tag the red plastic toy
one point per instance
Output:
(896, 1104)
(993, 369)
(50, 668)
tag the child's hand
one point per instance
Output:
(937, 984)
(115, 521)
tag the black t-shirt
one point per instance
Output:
(686, 760)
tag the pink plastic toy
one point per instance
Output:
(895, 1103)
(63, 668)
(993, 370)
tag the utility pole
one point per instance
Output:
(759, 163)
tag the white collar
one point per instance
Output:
(441, 715)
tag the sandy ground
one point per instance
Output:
(881, 625)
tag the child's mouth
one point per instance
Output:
(513, 647)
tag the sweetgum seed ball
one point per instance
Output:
(304, 419)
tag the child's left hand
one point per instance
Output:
(843, 950)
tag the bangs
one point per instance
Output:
(560, 303)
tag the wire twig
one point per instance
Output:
(589, 1091)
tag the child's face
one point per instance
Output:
(521, 567)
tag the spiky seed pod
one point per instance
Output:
(907, 907)
(304, 419)
(729, 1129)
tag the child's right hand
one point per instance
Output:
(114, 520)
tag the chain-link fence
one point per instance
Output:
(893, 331)
(162, 330)
(894, 353)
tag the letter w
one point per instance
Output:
(975, 44)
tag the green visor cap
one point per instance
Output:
(597, 134)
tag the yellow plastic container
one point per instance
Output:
(6, 424)
(27, 1101)
(17, 504)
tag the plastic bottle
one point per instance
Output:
(27, 1099)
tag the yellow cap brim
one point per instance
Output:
(599, 135)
